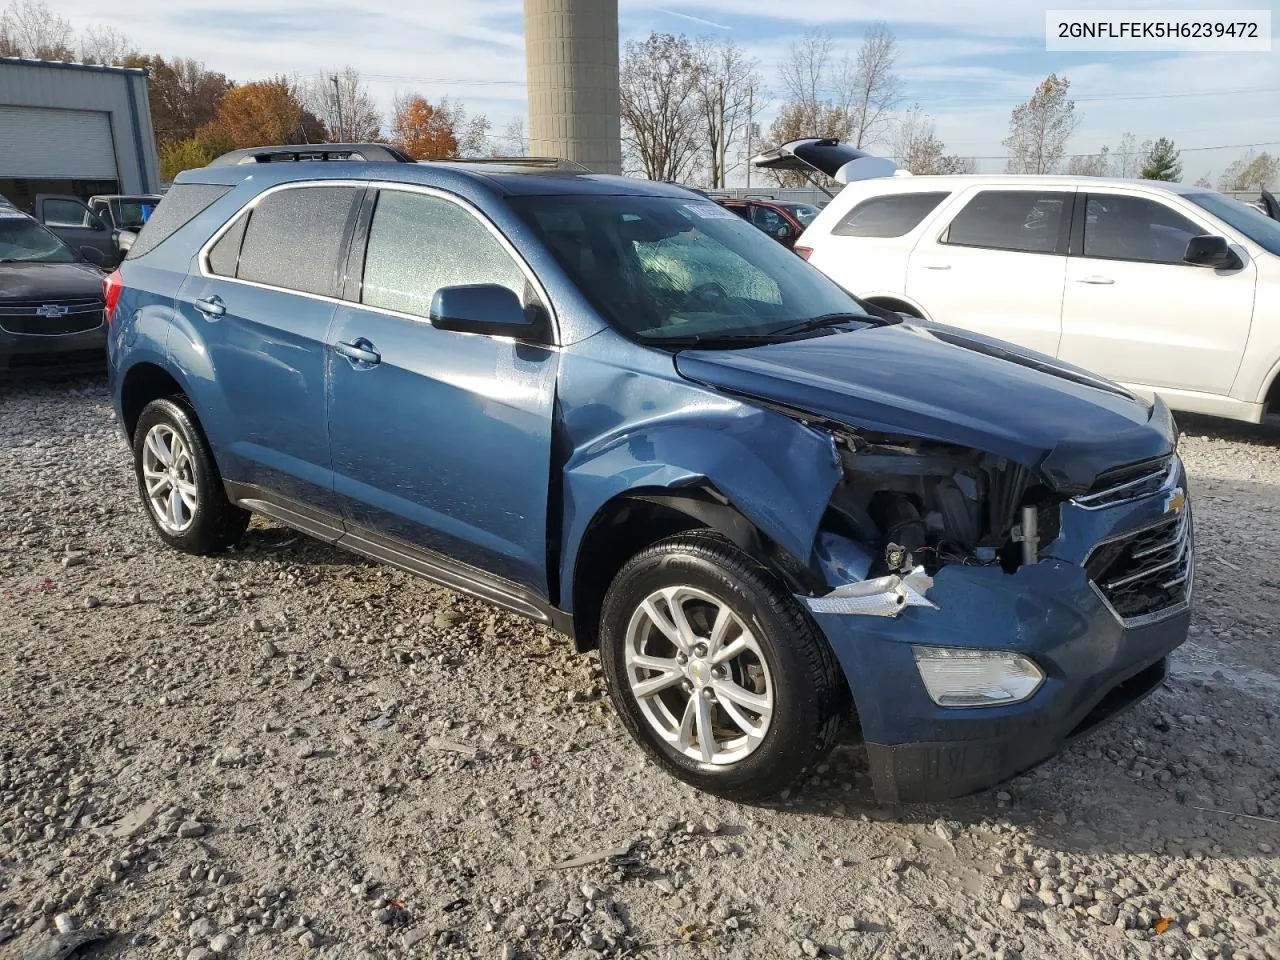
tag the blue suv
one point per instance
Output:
(614, 407)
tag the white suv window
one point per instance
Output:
(1134, 228)
(891, 216)
(1024, 221)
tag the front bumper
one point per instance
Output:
(60, 355)
(1095, 663)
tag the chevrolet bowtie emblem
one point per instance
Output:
(52, 310)
(1176, 501)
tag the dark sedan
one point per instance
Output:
(51, 318)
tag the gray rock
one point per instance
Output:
(65, 923)
(189, 829)
(222, 943)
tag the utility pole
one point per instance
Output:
(337, 101)
(751, 108)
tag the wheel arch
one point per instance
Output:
(143, 382)
(636, 519)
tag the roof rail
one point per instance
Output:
(366, 152)
(555, 163)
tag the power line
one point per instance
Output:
(1223, 146)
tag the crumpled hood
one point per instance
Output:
(950, 385)
(49, 281)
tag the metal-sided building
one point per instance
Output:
(73, 128)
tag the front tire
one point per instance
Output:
(179, 483)
(716, 670)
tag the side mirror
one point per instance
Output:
(93, 255)
(124, 240)
(1212, 252)
(486, 308)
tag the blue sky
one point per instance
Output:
(966, 62)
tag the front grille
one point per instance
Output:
(24, 317)
(1146, 573)
(1128, 483)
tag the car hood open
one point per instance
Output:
(837, 160)
(951, 386)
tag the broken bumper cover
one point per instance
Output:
(1094, 666)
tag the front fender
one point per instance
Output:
(658, 431)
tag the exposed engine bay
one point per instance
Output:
(916, 503)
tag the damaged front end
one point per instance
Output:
(905, 508)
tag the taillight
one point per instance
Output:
(804, 252)
(112, 287)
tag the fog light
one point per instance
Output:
(956, 677)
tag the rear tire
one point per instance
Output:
(716, 670)
(179, 483)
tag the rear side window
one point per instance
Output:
(294, 239)
(419, 243)
(182, 204)
(1024, 221)
(892, 216)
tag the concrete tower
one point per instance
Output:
(571, 47)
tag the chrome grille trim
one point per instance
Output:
(1168, 552)
(1161, 475)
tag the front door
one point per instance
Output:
(75, 223)
(441, 440)
(1134, 312)
(261, 304)
(998, 267)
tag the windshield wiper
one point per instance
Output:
(710, 339)
(819, 322)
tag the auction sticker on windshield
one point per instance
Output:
(710, 211)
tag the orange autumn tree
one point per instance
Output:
(422, 130)
(266, 112)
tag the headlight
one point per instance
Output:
(956, 677)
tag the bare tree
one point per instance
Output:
(659, 106)
(867, 88)
(343, 103)
(804, 72)
(1128, 157)
(34, 31)
(1204, 182)
(1251, 172)
(1091, 164)
(513, 142)
(105, 45)
(916, 148)
(1040, 128)
(728, 90)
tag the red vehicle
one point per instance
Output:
(784, 220)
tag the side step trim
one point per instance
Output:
(415, 560)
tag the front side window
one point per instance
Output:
(667, 269)
(22, 240)
(419, 243)
(1023, 221)
(767, 219)
(892, 216)
(66, 213)
(294, 239)
(1135, 228)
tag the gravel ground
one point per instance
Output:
(286, 751)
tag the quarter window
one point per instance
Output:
(294, 239)
(225, 254)
(892, 216)
(1135, 228)
(182, 204)
(1024, 221)
(419, 243)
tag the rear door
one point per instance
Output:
(262, 300)
(441, 440)
(1136, 313)
(999, 265)
(75, 223)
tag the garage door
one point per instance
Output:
(46, 143)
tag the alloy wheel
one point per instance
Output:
(698, 675)
(168, 472)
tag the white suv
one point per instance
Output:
(1166, 288)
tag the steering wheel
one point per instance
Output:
(710, 292)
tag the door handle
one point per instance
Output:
(1096, 279)
(211, 306)
(936, 266)
(360, 353)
